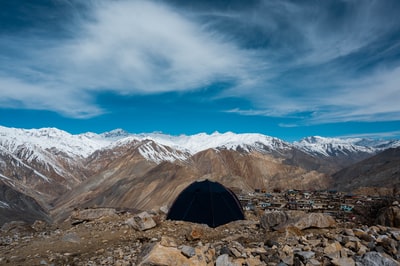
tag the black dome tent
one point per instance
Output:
(206, 202)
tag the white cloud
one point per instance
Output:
(143, 47)
(46, 96)
(385, 135)
(126, 47)
(322, 82)
(373, 97)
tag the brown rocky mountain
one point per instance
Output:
(132, 182)
(381, 170)
(60, 171)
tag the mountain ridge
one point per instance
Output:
(62, 171)
(84, 144)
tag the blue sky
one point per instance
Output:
(287, 69)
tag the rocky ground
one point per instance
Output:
(108, 237)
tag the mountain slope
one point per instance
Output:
(62, 171)
(156, 185)
(14, 205)
(381, 170)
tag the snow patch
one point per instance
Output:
(158, 153)
(332, 146)
(4, 205)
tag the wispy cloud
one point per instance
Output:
(314, 62)
(126, 47)
(382, 135)
(335, 62)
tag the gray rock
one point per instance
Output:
(271, 219)
(288, 260)
(284, 264)
(305, 255)
(223, 260)
(298, 219)
(143, 221)
(164, 209)
(390, 217)
(375, 259)
(237, 250)
(315, 220)
(188, 251)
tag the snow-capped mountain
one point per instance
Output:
(41, 144)
(151, 150)
(52, 139)
(199, 142)
(334, 147)
(82, 145)
(57, 168)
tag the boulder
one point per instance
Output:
(305, 255)
(223, 260)
(343, 262)
(333, 250)
(188, 251)
(363, 235)
(315, 220)
(160, 255)
(237, 249)
(395, 234)
(143, 221)
(348, 232)
(164, 209)
(302, 220)
(375, 259)
(273, 218)
(390, 216)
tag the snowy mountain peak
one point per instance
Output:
(53, 140)
(50, 139)
(202, 141)
(325, 140)
(115, 134)
(317, 145)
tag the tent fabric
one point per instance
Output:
(206, 202)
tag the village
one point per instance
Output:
(342, 206)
